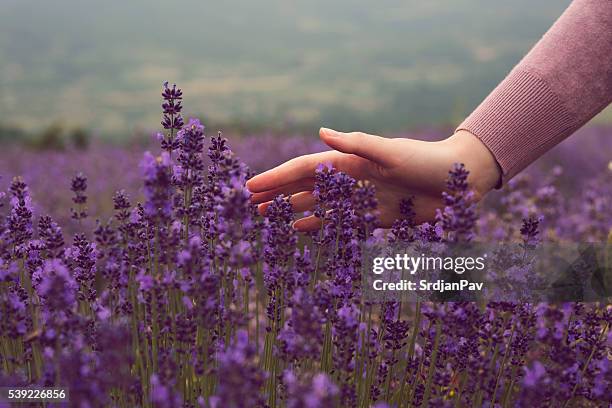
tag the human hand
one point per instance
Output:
(399, 168)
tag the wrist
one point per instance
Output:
(466, 148)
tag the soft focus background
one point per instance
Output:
(80, 81)
(381, 66)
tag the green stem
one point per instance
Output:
(509, 389)
(319, 245)
(586, 365)
(432, 365)
(503, 364)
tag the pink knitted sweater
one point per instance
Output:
(563, 82)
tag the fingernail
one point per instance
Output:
(329, 132)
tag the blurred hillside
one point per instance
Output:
(384, 66)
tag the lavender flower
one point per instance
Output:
(51, 235)
(239, 377)
(458, 217)
(365, 204)
(172, 120)
(403, 229)
(316, 392)
(57, 287)
(529, 231)
(157, 190)
(302, 336)
(19, 225)
(79, 187)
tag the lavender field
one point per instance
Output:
(144, 277)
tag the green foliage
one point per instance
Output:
(79, 138)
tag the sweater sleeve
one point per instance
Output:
(563, 82)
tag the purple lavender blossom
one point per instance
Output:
(365, 204)
(402, 230)
(172, 120)
(302, 336)
(79, 187)
(157, 182)
(316, 392)
(51, 235)
(458, 217)
(529, 231)
(19, 223)
(57, 286)
(239, 377)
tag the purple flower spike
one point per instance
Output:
(79, 187)
(318, 391)
(157, 186)
(239, 377)
(458, 217)
(172, 120)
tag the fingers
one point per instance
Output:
(306, 184)
(288, 172)
(308, 224)
(303, 201)
(370, 147)
(300, 202)
(374, 148)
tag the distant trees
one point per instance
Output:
(54, 137)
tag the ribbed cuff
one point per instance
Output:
(519, 121)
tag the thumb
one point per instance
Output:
(374, 148)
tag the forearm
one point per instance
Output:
(563, 82)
